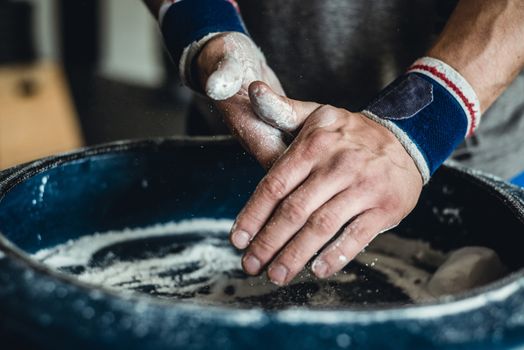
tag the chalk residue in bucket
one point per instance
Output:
(193, 261)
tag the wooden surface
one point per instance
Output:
(37, 117)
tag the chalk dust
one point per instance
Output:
(194, 262)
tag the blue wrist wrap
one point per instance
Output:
(188, 21)
(431, 109)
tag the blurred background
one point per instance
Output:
(76, 73)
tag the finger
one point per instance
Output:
(272, 80)
(226, 80)
(287, 173)
(261, 140)
(355, 237)
(321, 226)
(291, 215)
(281, 112)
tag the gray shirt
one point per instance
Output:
(343, 52)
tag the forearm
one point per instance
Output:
(484, 41)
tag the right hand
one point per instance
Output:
(226, 66)
(343, 171)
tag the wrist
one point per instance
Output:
(188, 25)
(430, 109)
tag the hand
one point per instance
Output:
(343, 172)
(226, 66)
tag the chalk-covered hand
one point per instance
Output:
(343, 173)
(226, 66)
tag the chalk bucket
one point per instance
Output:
(124, 246)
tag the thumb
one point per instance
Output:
(279, 111)
(226, 80)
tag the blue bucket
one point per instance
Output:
(518, 180)
(100, 189)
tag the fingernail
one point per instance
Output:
(320, 268)
(241, 239)
(277, 274)
(251, 264)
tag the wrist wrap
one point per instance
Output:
(431, 109)
(188, 24)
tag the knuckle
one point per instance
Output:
(359, 155)
(263, 247)
(362, 236)
(344, 161)
(319, 139)
(327, 109)
(273, 187)
(293, 211)
(338, 250)
(319, 113)
(323, 112)
(316, 142)
(368, 185)
(390, 206)
(250, 216)
(291, 258)
(388, 201)
(325, 222)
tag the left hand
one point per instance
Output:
(226, 65)
(342, 171)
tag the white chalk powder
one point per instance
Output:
(241, 65)
(274, 110)
(193, 261)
